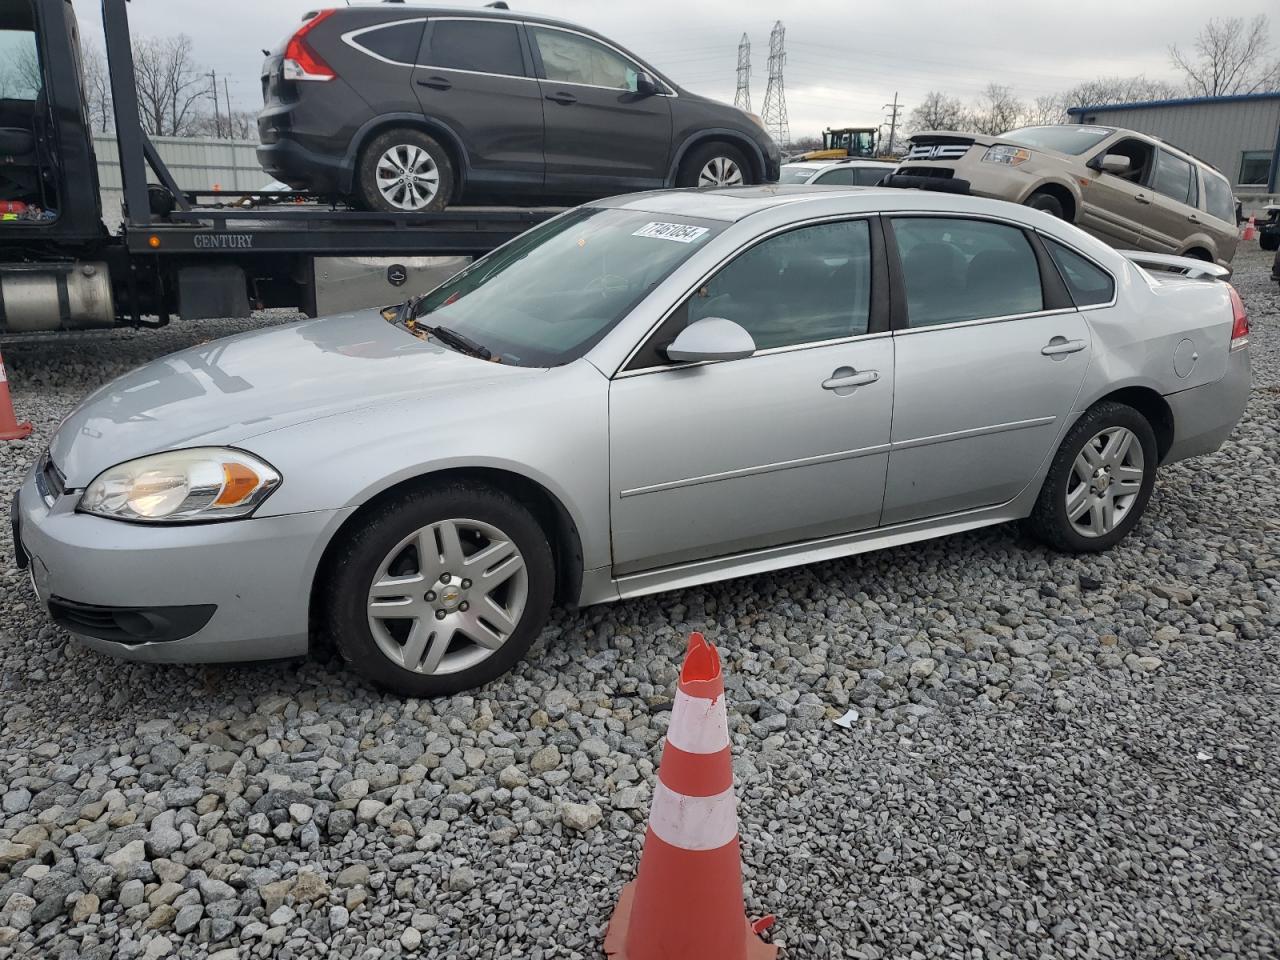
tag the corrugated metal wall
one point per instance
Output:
(1217, 133)
(197, 163)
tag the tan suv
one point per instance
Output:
(1131, 190)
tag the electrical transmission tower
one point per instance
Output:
(775, 97)
(742, 99)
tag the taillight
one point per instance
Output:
(300, 61)
(1239, 321)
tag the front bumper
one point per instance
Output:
(255, 573)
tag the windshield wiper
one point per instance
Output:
(458, 341)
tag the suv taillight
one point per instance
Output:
(1239, 321)
(300, 61)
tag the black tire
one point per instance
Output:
(1048, 203)
(367, 192)
(697, 158)
(1269, 241)
(355, 563)
(1048, 521)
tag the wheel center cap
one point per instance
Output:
(450, 596)
(1101, 480)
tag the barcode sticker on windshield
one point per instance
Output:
(679, 232)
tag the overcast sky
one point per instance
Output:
(844, 59)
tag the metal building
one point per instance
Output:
(1239, 135)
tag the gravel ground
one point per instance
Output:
(1055, 756)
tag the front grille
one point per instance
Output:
(937, 151)
(49, 481)
(936, 173)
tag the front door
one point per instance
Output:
(786, 445)
(473, 78)
(602, 136)
(1115, 206)
(985, 375)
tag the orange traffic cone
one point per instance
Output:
(686, 902)
(10, 428)
(1250, 229)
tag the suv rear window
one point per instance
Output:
(397, 42)
(1172, 177)
(1218, 199)
(475, 45)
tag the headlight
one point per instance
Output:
(1009, 156)
(204, 483)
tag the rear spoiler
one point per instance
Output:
(909, 181)
(1187, 266)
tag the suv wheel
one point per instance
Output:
(1099, 482)
(714, 165)
(1048, 203)
(440, 590)
(404, 171)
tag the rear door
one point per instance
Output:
(602, 136)
(474, 77)
(1172, 215)
(989, 358)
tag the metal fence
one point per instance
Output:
(197, 163)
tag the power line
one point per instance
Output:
(775, 95)
(742, 96)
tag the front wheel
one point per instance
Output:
(1048, 203)
(440, 590)
(1099, 482)
(714, 165)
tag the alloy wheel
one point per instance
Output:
(448, 596)
(1105, 481)
(720, 172)
(407, 177)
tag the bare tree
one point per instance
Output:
(1104, 90)
(171, 85)
(97, 89)
(1044, 111)
(997, 110)
(1230, 57)
(937, 111)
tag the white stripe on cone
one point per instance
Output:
(693, 823)
(698, 725)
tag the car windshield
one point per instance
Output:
(796, 173)
(1066, 138)
(548, 296)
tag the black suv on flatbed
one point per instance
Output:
(405, 108)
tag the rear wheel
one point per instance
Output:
(1099, 482)
(1048, 203)
(404, 171)
(714, 165)
(440, 590)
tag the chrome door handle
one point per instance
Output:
(857, 378)
(1060, 347)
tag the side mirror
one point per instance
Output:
(646, 86)
(1114, 163)
(711, 338)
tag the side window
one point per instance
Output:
(475, 45)
(958, 270)
(1173, 177)
(1140, 155)
(570, 58)
(1218, 198)
(398, 42)
(22, 78)
(1088, 283)
(840, 175)
(869, 176)
(803, 286)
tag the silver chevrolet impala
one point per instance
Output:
(650, 392)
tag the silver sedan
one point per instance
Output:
(649, 392)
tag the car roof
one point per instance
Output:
(401, 11)
(731, 204)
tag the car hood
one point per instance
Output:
(227, 391)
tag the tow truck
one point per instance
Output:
(180, 253)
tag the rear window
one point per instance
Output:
(1088, 283)
(397, 42)
(475, 45)
(1172, 177)
(795, 173)
(1218, 199)
(1066, 138)
(840, 175)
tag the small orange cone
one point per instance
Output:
(686, 902)
(1250, 229)
(10, 428)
